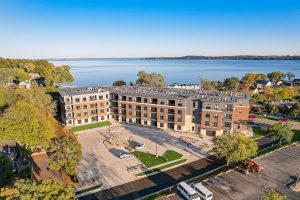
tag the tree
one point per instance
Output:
(49, 189)
(275, 76)
(272, 194)
(5, 169)
(62, 75)
(119, 83)
(29, 67)
(209, 85)
(25, 123)
(271, 109)
(36, 96)
(64, 153)
(250, 79)
(281, 131)
(232, 83)
(295, 110)
(290, 76)
(234, 147)
(150, 79)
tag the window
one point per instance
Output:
(92, 98)
(77, 107)
(86, 120)
(70, 122)
(208, 106)
(180, 104)
(207, 115)
(79, 121)
(229, 107)
(84, 106)
(84, 99)
(101, 97)
(145, 100)
(102, 118)
(193, 128)
(215, 124)
(162, 103)
(69, 109)
(85, 114)
(145, 114)
(67, 100)
(180, 112)
(129, 98)
(161, 124)
(178, 127)
(101, 104)
(206, 123)
(145, 122)
(129, 106)
(145, 108)
(161, 117)
(69, 115)
(106, 96)
(194, 104)
(216, 106)
(215, 115)
(77, 100)
(101, 111)
(227, 124)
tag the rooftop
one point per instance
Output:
(179, 93)
(68, 91)
(174, 93)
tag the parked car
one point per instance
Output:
(187, 191)
(125, 155)
(284, 120)
(202, 191)
(139, 146)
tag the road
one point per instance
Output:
(266, 122)
(155, 183)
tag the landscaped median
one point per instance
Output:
(258, 132)
(90, 126)
(169, 159)
(159, 169)
(150, 160)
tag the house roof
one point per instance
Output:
(264, 82)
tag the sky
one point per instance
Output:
(146, 28)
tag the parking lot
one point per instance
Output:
(279, 170)
(101, 148)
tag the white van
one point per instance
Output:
(187, 191)
(202, 191)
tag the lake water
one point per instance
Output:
(106, 71)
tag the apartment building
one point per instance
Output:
(83, 105)
(185, 110)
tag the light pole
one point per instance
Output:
(262, 192)
(156, 149)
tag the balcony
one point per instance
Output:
(172, 112)
(153, 109)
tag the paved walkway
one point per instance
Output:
(155, 183)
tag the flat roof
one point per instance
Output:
(179, 93)
(155, 92)
(69, 91)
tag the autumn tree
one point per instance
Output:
(64, 153)
(234, 147)
(25, 123)
(275, 76)
(62, 75)
(150, 79)
(272, 194)
(119, 83)
(48, 189)
(209, 85)
(232, 83)
(281, 131)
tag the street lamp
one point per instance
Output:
(262, 192)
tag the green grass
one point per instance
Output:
(258, 132)
(292, 119)
(90, 126)
(296, 136)
(162, 167)
(150, 160)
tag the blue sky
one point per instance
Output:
(141, 28)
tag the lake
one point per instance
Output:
(106, 71)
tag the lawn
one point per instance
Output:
(162, 167)
(258, 132)
(296, 136)
(90, 126)
(150, 160)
